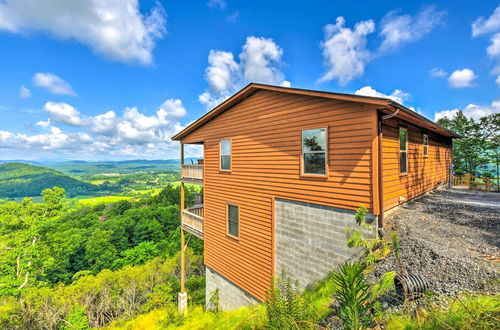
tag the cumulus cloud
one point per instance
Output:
(259, 61)
(131, 133)
(344, 50)
(438, 73)
(53, 140)
(397, 95)
(490, 25)
(63, 113)
(114, 29)
(24, 92)
(398, 29)
(471, 111)
(462, 78)
(493, 50)
(53, 83)
(486, 25)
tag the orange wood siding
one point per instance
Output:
(265, 130)
(424, 173)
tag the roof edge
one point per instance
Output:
(253, 87)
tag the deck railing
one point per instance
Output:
(192, 171)
(473, 182)
(192, 219)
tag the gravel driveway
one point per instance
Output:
(450, 236)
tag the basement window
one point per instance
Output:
(225, 155)
(233, 219)
(426, 145)
(314, 151)
(403, 150)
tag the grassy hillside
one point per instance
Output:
(82, 168)
(23, 180)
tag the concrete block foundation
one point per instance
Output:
(230, 296)
(311, 239)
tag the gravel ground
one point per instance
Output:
(450, 236)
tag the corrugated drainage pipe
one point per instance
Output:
(416, 285)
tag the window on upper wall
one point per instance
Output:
(225, 155)
(314, 151)
(426, 145)
(233, 219)
(403, 150)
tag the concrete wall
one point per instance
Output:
(311, 239)
(230, 296)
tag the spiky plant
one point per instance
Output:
(353, 296)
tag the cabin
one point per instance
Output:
(283, 172)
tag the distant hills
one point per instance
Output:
(21, 180)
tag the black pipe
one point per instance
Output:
(416, 285)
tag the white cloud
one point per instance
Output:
(132, 134)
(55, 139)
(63, 113)
(44, 124)
(483, 26)
(493, 50)
(462, 78)
(24, 92)
(217, 3)
(259, 61)
(53, 83)
(223, 71)
(490, 25)
(115, 29)
(397, 95)
(438, 73)
(471, 111)
(344, 50)
(104, 124)
(398, 29)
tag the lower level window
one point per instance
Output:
(233, 217)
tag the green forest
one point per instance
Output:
(68, 266)
(21, 180)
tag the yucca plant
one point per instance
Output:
(353, 296)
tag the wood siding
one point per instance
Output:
(424, 173)
(265, 130)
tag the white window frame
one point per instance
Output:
(302, 153)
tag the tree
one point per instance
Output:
(471, 152)
(99, 251)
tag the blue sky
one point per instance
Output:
(115, 79)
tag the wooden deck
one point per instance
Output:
(192, 173)
(192, 220)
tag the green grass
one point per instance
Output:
(153, 192)
(103, 200)
(463, 312)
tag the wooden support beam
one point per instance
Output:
(183, 204)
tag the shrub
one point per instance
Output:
(353, 296)
(463, 312)
(285, 307)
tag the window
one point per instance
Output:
(426, 145)
(403, 148)
(225, 155)
(314, 151)
(233, 220)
